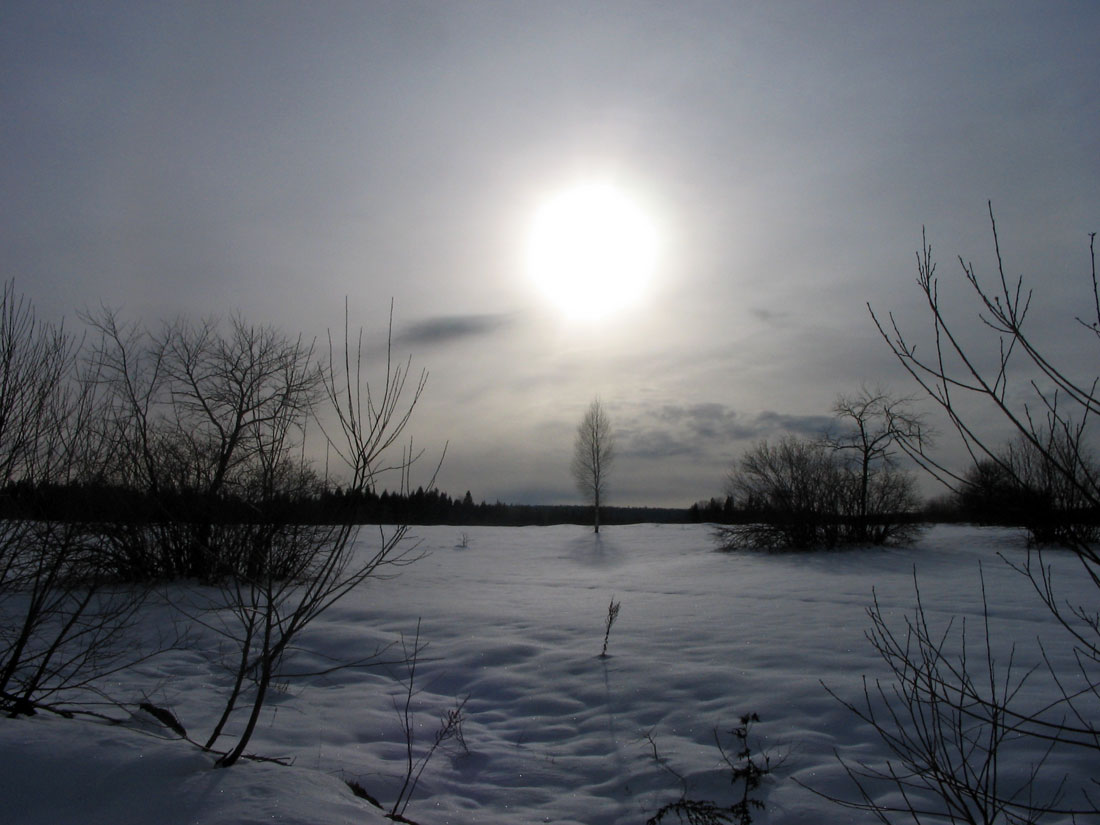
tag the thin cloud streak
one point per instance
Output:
(447, 329)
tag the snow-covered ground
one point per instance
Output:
(514, 619)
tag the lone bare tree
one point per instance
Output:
(876, 427)
(593, 453)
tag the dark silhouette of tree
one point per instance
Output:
(875, 427)
(801, 494)
(593, 454)
(1021, 486)
(198, 413)
(975, 706)
(305, 569)
(62, 620)
(792, 494)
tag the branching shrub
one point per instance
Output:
(62, 619)
(193, 435)
(207, 422)
(953, 723)
(791, 493)
(297, 571)
(800, 494)
(963, 744)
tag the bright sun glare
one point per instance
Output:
(592, 250)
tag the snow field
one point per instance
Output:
(515, 621)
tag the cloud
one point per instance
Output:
(808, 425)
(705, 429)
(769, 316)
(444, 329)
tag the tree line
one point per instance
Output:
(91, 502)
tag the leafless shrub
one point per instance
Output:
(202, 416)
(843, 488)
(951, 724)
(450, 729)
(296, 572)
(966, 743)
(63, 617)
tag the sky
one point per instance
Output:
(277, 158)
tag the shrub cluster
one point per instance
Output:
(800, 494)
(133, 455)
(1040, 484)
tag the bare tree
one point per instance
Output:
(200, 429)
(844, 488)
(951, 723)
(303, 570)
(593, 454)
(201, 414)
(62, 620)
(876, 426)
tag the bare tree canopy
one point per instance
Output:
(876, 427)
(593, 454)
(1024, 387)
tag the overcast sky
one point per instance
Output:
(273, 158)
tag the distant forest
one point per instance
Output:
(103, 503)
(91, 503)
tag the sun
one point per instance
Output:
(592, 250)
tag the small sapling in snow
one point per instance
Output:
(612, 615)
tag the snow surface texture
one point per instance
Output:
(514, 618)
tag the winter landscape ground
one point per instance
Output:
(514, 619)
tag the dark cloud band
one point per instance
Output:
(446, 329)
